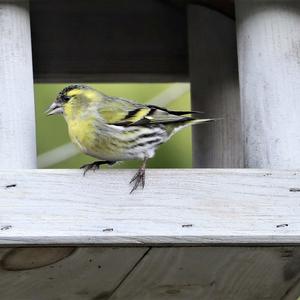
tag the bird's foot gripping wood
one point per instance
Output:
(95, 165)
(139, 178)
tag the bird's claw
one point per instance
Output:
(138, 179)
(96, 165)
(93, 166)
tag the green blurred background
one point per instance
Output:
(53, 143)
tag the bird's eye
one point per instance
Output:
(66, 98)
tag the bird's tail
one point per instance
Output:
(191, 121)
(199, 121)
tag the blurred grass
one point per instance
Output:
(52, 131)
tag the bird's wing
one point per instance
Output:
(124, 112)
(116, 111)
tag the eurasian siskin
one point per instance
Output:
(113, 129)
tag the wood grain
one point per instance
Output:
(17, 122)
(20, 259)
(105, 273)
(183, 207)
(231, 273)
(86, 274)
(215, 88)
(268, 50)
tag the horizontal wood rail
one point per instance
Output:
(177, 207)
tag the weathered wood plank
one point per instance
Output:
(268, 50)
(224, 6)
(215, 88)
(17, 123)
(176, 207)
(231, 273)
(83, 274)
(127, 40)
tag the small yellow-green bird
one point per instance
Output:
(113, 129)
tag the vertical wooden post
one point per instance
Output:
(268, 35)
(214, 88)
(17, 122)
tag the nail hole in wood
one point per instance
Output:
(5, 227)
(10, 186)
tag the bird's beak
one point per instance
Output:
(54, 109)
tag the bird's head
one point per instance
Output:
(74, 93)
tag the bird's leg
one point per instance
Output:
(139, 177)
(95, 165)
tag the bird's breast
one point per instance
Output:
(93, 139)
(82, 133)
